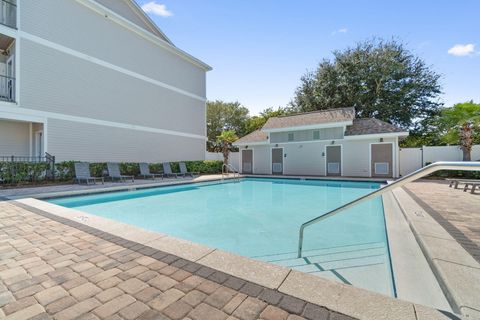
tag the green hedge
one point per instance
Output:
(452, 174)
(15, 172)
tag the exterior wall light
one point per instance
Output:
(333, 141)
(381, 139)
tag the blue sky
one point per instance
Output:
(260, 49)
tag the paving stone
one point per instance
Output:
(147, 294)
(165, 299)
(88, 316)
(181, 275)
(134, 310)
(15, 306)
(82, 266)
(78, 309)
(70, 284)
(204, 311)
(295, 317)
(208, 286)
(234, 283)
(132, 286)
(108, 294)
(292, 305)
(273, 313)
(147, 275)
(104, 275)
(194, 297)
(231, 306)
(162, 282)
(114, 306)
(60, 304)
(27, 313)
(9, 273)
(5, 298)
(249, 309)
(28, 291)
(108, 283)
(168, 270)
(145, 261)
(251, 289)
(16, 279)
(314, 312)
(51, 294)
(270, 296)
(220, 297)
(85, 291)
(152, 315)
(177, 310)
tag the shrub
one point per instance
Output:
(15, 172)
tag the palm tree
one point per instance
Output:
(224, 143)
(461, 123)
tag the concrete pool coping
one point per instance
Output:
(457, 272)
(355, 302)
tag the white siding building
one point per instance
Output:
(96, 80)
(322, 143)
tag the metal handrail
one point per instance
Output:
(442, 165)
(229, 166)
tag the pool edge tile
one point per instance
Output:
(182, 248)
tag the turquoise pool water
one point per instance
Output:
(259, 218)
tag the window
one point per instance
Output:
(316, 135)
(381, 168)
(291, 137)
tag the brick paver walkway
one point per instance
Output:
(55, 268)
(457, 211)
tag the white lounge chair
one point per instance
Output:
(167, 171)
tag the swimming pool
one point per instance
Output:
(259, 218)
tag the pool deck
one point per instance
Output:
(59, 262)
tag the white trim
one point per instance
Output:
(312, 126)
(241, 159)
(376, 136)
(30, 142)
(146, 18)
(37, 139)
(394, 162)
(41, 116)
(341, 158)
(9, 31)
(283, 160)
(45, 136)
(98, 8)
(106, 64)
(250, 144)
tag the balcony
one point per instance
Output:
(7, 68)
(8, 13)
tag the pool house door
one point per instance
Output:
(333, 160)
(381, 160)
(277, 160)
(247, 161)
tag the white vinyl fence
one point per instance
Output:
(233, 158)
(412, 159)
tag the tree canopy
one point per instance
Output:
(381, 79)
(224, 116)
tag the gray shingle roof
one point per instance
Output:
(310, 118)
(370, 126)
(255, 136)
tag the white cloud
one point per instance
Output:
(462, 49)
(342, 30)
(156, 9)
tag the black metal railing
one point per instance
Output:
(7, 88)
(14, 169)
(8, 13)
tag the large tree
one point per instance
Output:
(257, 122)
(381, 79)
(461, 125)
(224, 116)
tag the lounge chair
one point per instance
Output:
(473, 183)
(114, 173)
(82, 173)
(184, 171)
(167, 171)
(145, 172)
